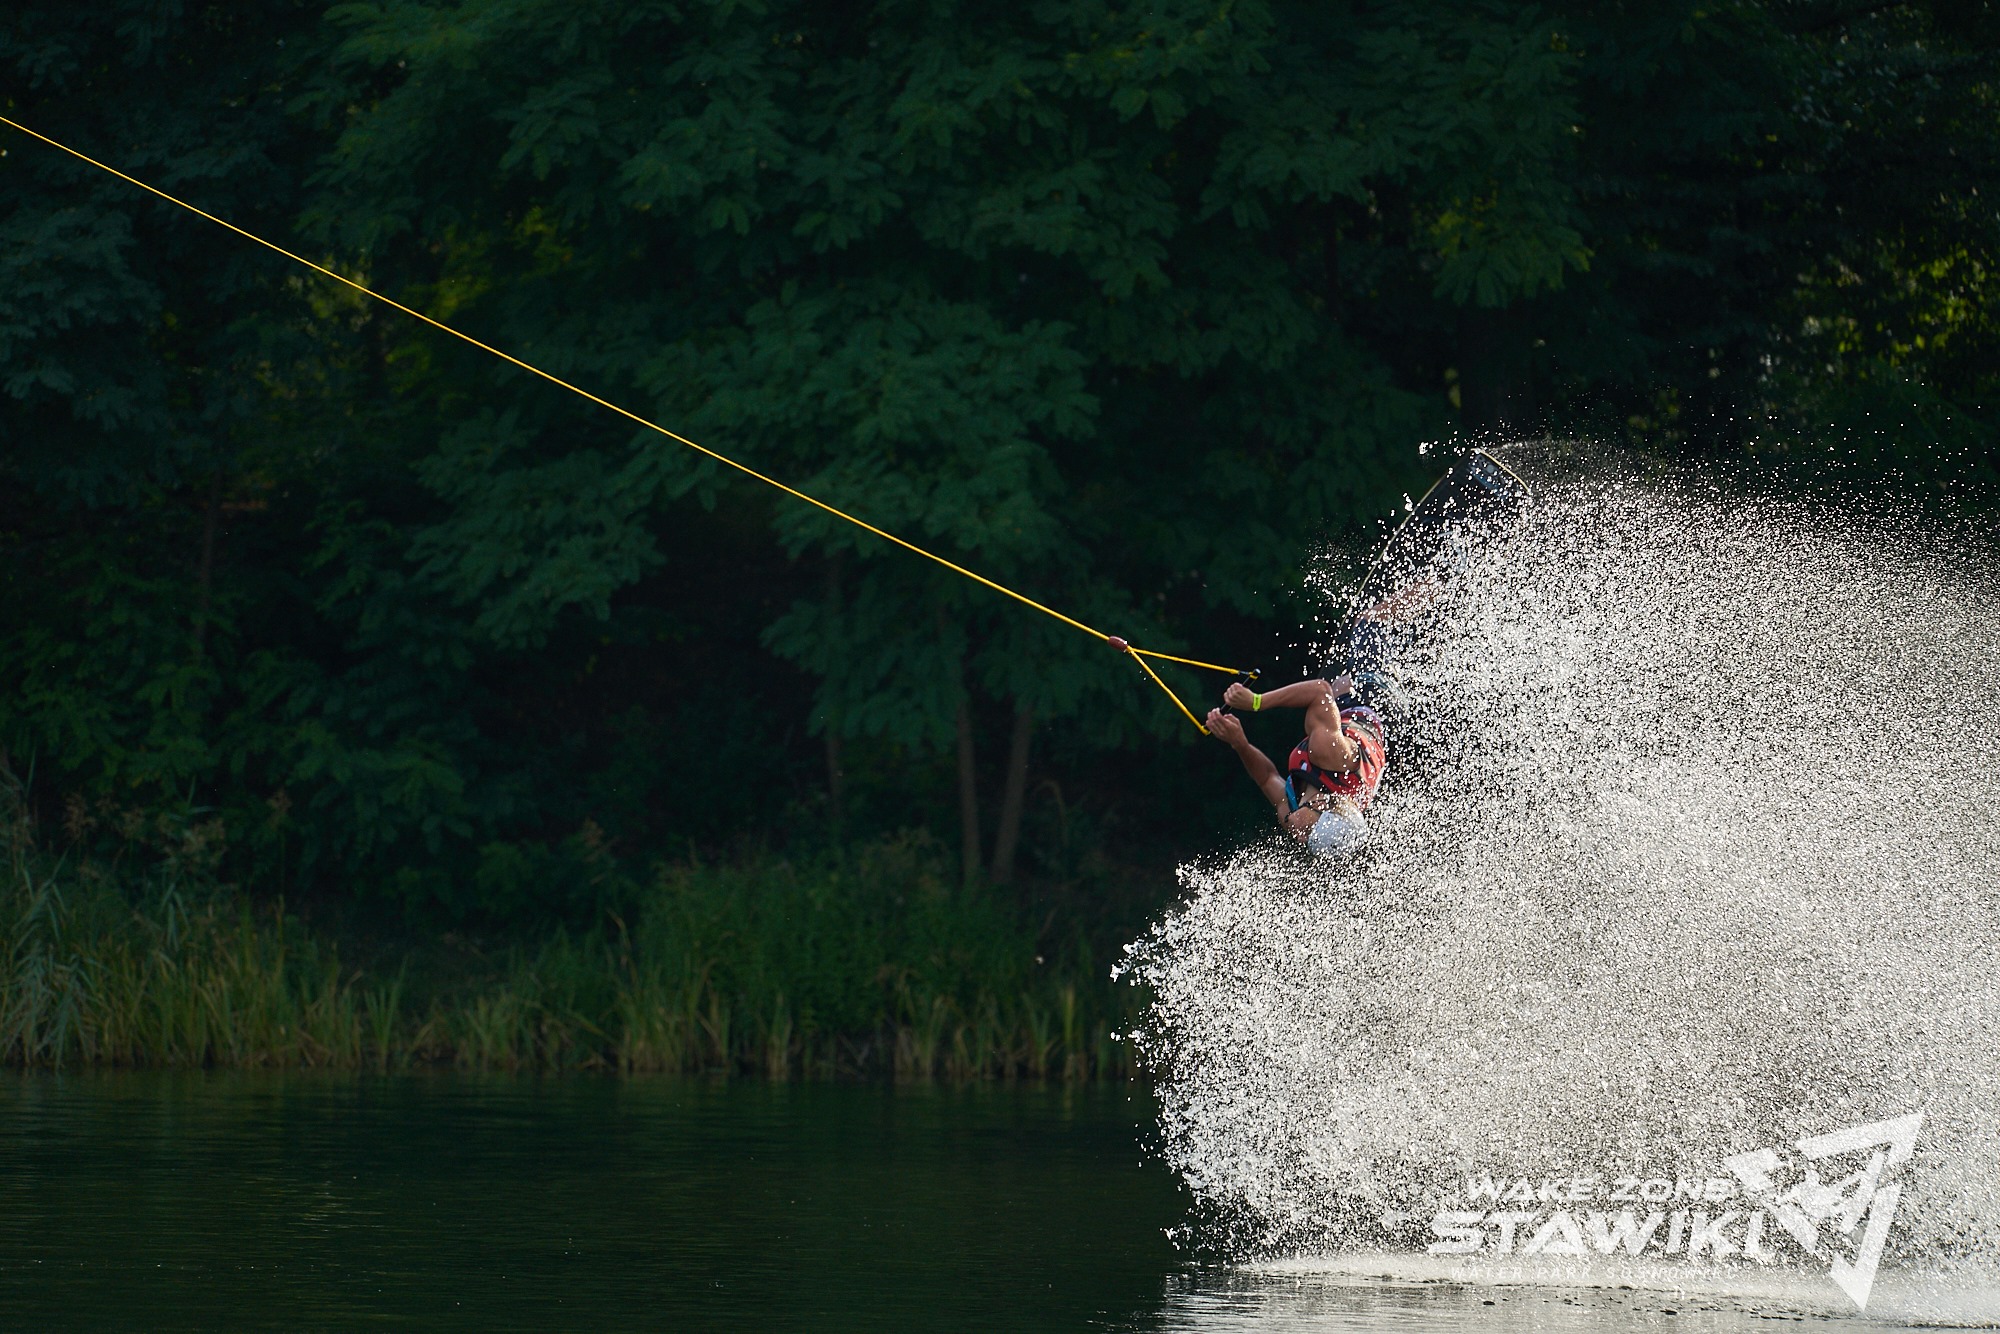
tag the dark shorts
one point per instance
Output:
(1373, 650)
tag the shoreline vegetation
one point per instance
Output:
(871, 965)
(379, 703)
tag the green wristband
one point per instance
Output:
(1256, 701)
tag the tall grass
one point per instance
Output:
(873, 965)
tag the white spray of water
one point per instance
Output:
(1702, 856)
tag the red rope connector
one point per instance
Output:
(1118, 643)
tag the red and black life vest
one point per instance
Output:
(1362, 726)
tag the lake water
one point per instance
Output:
(260, 1201)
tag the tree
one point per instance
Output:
(1023, 286)
(1138, 311)
(140, 358)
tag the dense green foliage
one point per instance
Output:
(1134, 309)
(883, 966)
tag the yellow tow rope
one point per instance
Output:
(1139, 655)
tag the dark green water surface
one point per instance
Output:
(228, 1201)
(289, 1202)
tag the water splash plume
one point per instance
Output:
(1693, 850)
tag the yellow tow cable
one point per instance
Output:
(1139, 655)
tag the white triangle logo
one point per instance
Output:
(1824, 1213)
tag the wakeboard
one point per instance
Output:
(1477, 498)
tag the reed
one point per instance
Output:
(878, 964)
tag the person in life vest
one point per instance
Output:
(1330, 777)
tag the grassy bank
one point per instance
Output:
(870, 964)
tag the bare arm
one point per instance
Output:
(1256, 763)
(1298, 695)
(1330, 748)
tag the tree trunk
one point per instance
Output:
(1330, 288)
(1484, 391)
(836, 786)
(836, 776)
(205, 575)
(968, 795)
(1013, 796)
